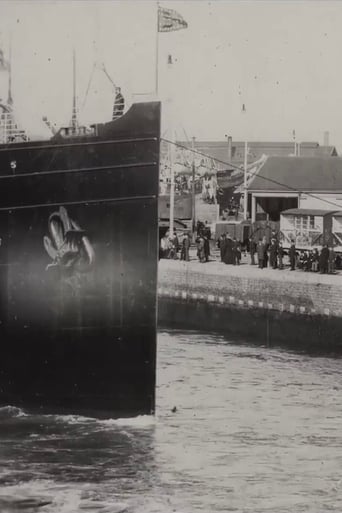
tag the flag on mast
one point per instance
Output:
(170, 20)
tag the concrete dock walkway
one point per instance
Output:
(245, 269)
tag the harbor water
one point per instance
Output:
(238, 428)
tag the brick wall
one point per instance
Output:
(295, 296)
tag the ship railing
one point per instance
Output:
(9, 130)
(80, 131)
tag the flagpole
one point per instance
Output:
(193, 189)
(172, 190)
(157, 52)
(245, 192)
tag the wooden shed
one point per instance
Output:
(308, 228)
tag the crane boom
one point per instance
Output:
(108, 76)
(49, 125)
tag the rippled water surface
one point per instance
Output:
(255, 430)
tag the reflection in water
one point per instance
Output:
(254, 430)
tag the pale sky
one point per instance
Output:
(279, 58)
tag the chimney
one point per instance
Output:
(230, 144)
(326, 138)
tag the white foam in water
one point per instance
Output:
(72, 419)
(34, 494)
(73, 501)
(12, 411)
(141, 421)
(51, 497)
(154, 505)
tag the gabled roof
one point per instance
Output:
(307, 212)
(278, 174)
(256, 149)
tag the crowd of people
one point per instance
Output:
(169, 246)
(264, 254)
(230, 249)
(273, 255)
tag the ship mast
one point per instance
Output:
(9, 97)
(74, 122)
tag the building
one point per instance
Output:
(230, 151)
(281, 183)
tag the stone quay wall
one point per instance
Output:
(271, 306)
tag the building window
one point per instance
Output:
(304, 223)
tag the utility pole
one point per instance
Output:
(172, 189)
(157, 54)
(245, 198)
(193, 189)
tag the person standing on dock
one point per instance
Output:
(228, 253)
(273, 254)
(324, 259)
(236, 252)
(221, 243)
(261, 254)
(331, 260)
(280, 256)
(315, 261)
(265, 246)
(292, 256)
(252, 250)
(185, 248)
(206, 247)
(200, 249)
(207, 230)
(119, 104)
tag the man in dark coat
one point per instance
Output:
(292, 256)
(265, 246)
(280, 256)
(207, 230)
(228, 254)
(199, 228)
(252, 250)
(261, 254)
(185, 248)
(331, 260)
(222, 245)
(273, 254)
(324, 259)
(206, 248)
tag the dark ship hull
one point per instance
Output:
(78, 269)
